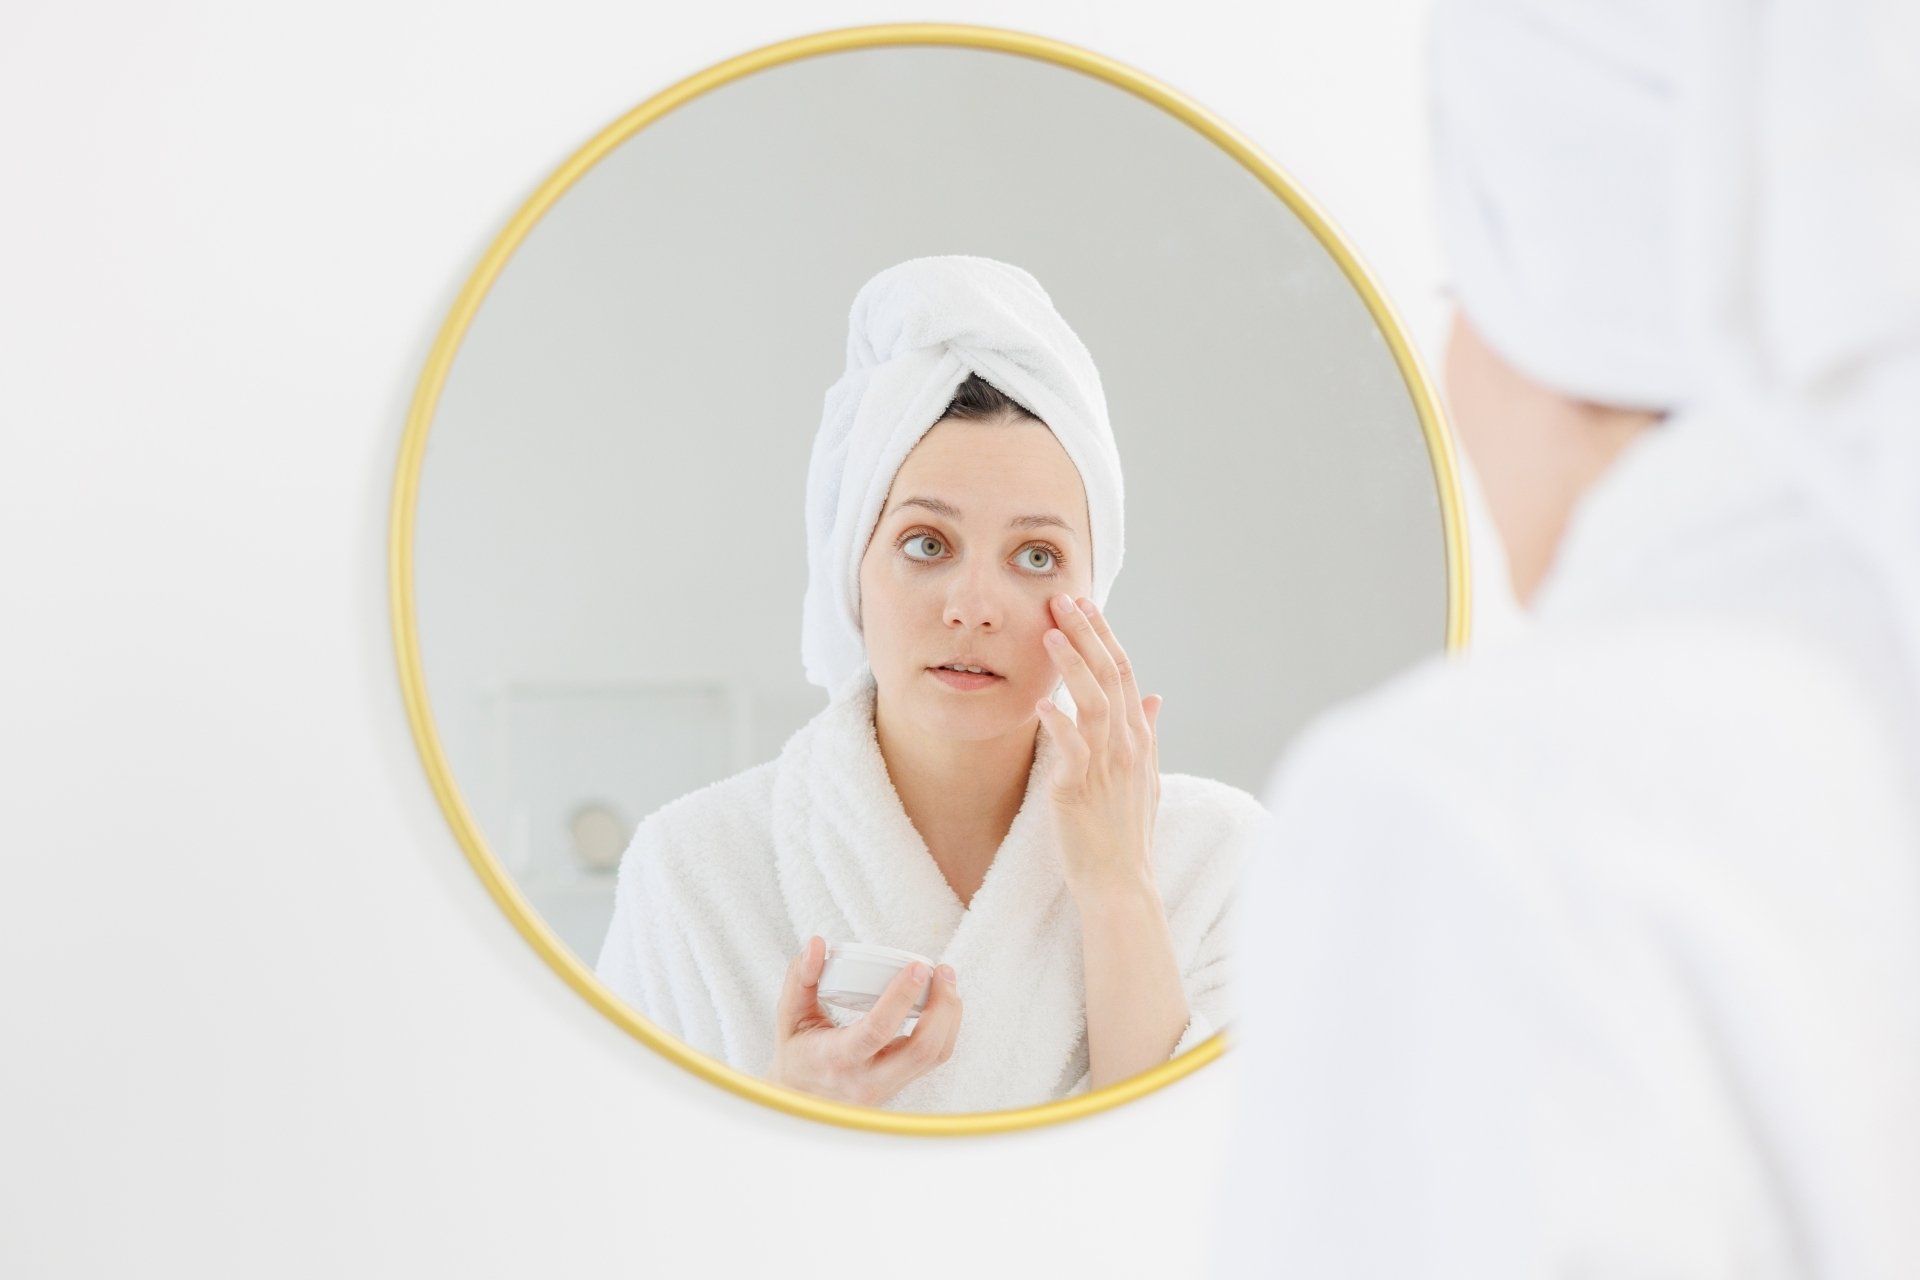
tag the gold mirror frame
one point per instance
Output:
(413, 451)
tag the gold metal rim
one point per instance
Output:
(413, 451)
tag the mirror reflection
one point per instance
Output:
(892, 511)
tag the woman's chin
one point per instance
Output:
(970, 714)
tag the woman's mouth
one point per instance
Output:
(959, 678)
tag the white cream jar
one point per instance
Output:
(856, 973)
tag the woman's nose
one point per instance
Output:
(974, 600)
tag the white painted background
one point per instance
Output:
(260, 1017)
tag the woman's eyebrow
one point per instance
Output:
(946, 509)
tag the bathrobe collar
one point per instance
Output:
(853, 868)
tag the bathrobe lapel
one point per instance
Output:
(852, 868)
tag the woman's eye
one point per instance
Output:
(920, 540)
(1038, 558)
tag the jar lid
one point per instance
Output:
(873, 951)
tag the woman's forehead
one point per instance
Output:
(986, 471)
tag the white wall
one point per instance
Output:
(261, 1018)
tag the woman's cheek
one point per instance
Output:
(1044, 672)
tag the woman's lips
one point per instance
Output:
(965, 679)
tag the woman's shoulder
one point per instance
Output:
(1204, 834)
(1192, 800)
(745, 796)
(1202, 817)
(711, 838)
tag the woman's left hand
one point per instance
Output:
(1106, 779)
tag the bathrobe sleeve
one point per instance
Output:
(1207, 981)
(1221, 826)
(1205, 834)
(646, 959)
(1199, 1027)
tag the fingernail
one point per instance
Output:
(1064, 603)
(952, 979)
(918, 972)
(1086, 605)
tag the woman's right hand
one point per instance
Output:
(865, 1062)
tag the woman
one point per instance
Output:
(1626, 912)
(963, 511)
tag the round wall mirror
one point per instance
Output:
(599, 546)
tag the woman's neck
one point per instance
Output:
(960, 796)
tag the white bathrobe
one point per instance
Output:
(720, 888)
(1598, 952)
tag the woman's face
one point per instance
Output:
(984, 523)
